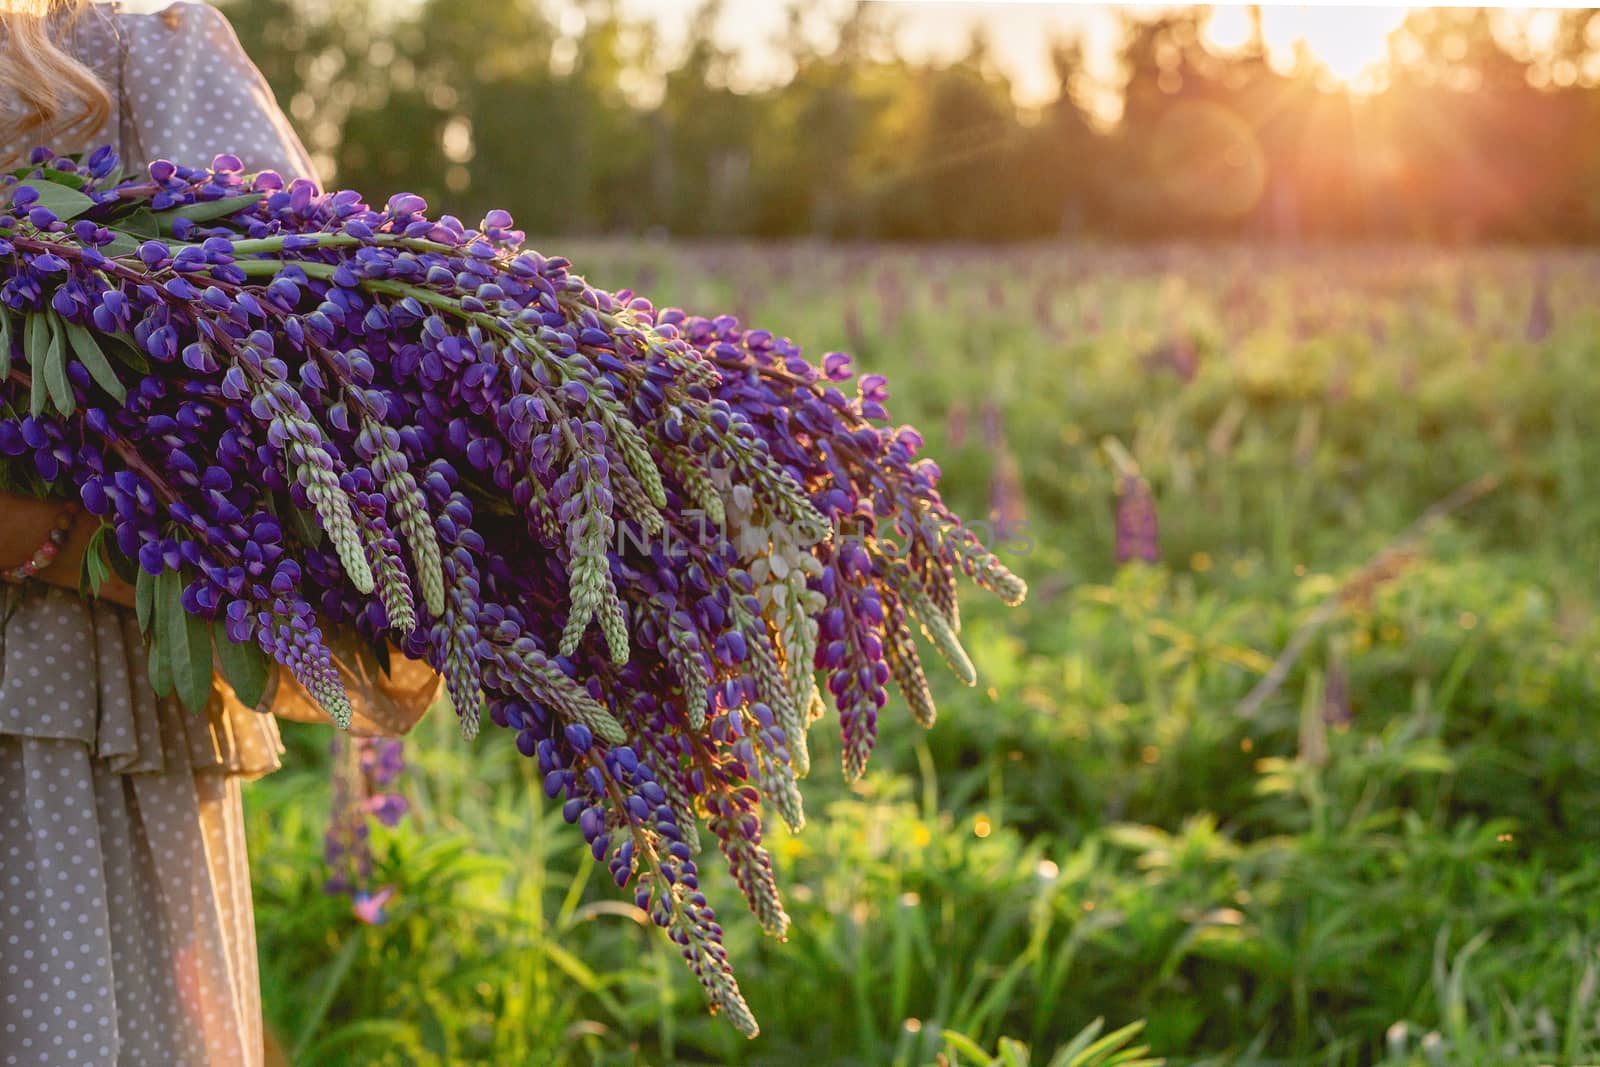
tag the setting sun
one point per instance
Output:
(1348, 41)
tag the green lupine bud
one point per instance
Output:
(540, 514)
(682, 805)
(984, 568)
(905, 667)
(939, 580)
(636, 455)
(338, 520)
(696, 484)
(771, 685)
(635, 504)
(937, 630)
(751, 866)
(574, 703)
(613, 623)
(589, 583)
(336, 702)
(779, 788)
(774, 486)
(390, 581)
(410, 511)
(818, 708)
(709, 962)
(800, 752)
(690, 666)
(789, 614)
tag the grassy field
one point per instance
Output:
(1390, 859)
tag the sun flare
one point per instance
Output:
(1349, 41)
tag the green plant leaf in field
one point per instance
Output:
(1086, 1049)
(244, 666)
(63, 201)
(963, 1046)
(90, 354)
(329, 990)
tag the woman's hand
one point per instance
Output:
(25, 524)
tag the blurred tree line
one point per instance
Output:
(479, 103)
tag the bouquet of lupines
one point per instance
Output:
(634, 537)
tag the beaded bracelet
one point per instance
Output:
(46, 553)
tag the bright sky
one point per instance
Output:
(1347, 38)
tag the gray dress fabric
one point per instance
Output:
(126, 934)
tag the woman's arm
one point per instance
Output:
(25, 523)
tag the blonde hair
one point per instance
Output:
(61, 101)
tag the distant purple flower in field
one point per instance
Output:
(1006, 503)
(852, 328)
(1541, 318)
(1466, 303)
(387, 808)
(382, 759)
(1136, 521)
(369, 907)
(361, 768)
(955, 424)
(1178, 355)
(1336, 695)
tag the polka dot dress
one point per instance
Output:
(125, 928)
(126, 935)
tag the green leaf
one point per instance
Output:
(337, 972)
(380, 653)
(95, 568)
(122, 243)
(167, 623)
(304, 525)
(5, 342)
(185, 642)
(65, 203)
(90, 354)
(126, 351)
(55, 368)
(140, 224)
(244, 666)
(61, 177)
(191, 667)
(206, 210)
(36, 340)
(121, 565)
(144, 599)
(160, 668)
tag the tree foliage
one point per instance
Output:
(489, 102)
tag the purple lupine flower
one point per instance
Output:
(369, 907)
(1136, 520)
(1540, 316)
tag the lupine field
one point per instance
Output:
(1289, 757)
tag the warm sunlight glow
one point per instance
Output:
(1349, 41)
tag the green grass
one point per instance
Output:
(1095, 832)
